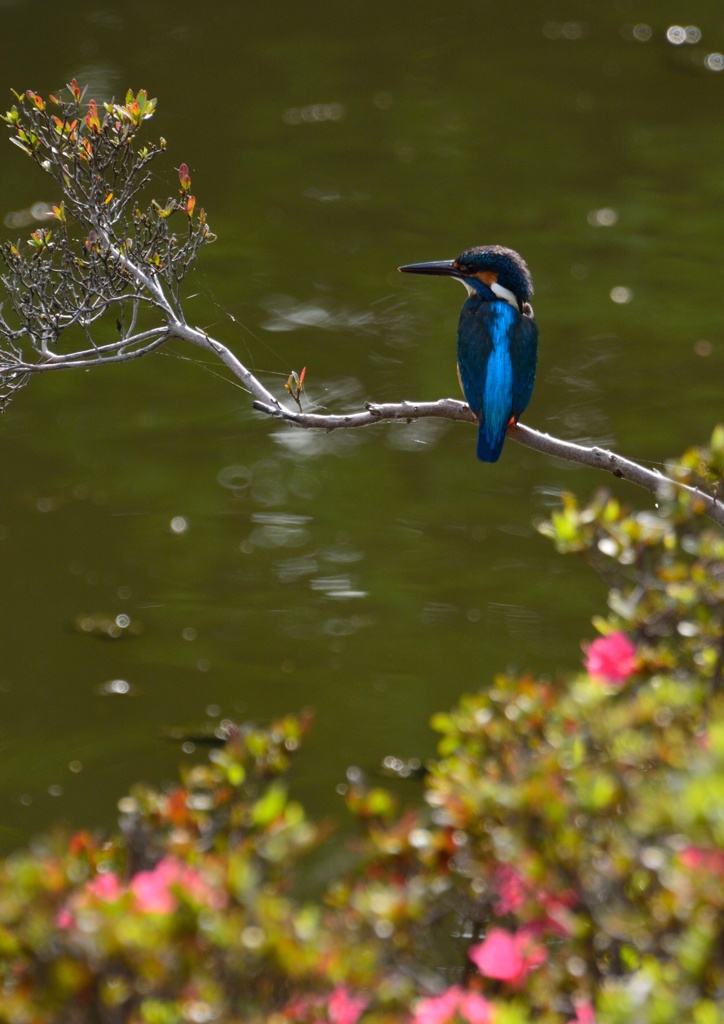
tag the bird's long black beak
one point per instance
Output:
(441, 268)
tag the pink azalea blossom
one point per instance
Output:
(153, 889)
(611, 658)
(512, 890)
(507, 956)
(454, 1003)
(584, 1013)
(344, 1008)
(341, 1007)
(106, 887)
(153, 892)
(703, 858)
(474, 1008)
(64, 919)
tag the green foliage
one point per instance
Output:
(663, 566)
(567, 864)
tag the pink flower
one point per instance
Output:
(154, 892)
(154, 889)
(344, 1008)
(64, 919)
(584, 1013)
(106, 887)
(454, 1002)
(473, 1007)
(507, 957)
(701, 857)
(438, 1009)
(341, 1007)
(151, 888)
(611, 658)
(512, 890)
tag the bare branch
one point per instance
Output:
(450, 409)
(118, 352)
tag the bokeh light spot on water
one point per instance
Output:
(678, 34)
(188, 633)
(642, 32)
(714, 61)
(235, 478)
(179, 524)
(115, 687)
(291, 569)
(55, 790)
(342, 553)
(314, 113)
(31, 215)
(285, 313)
(339, 587)
(570, 30)
(340, 627)
(606, 217)
(621, 295)
(703, 348)
(75, 767)
(435, 613)
(279, 530)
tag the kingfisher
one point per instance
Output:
(497, 337)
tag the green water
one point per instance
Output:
(373, 575)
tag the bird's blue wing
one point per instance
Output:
(485, 334)
(524, 356)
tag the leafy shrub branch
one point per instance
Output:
(565, 866)
(104, 284)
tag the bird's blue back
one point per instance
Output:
(497, 352)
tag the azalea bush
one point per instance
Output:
(565, 866)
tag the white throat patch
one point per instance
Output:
(498, 289)
(504, 294)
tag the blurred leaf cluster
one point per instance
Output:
(566, 865)
(664, 566)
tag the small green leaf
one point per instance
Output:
(270, 805)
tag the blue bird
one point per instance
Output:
(497, 338)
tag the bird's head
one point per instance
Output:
(485, 269)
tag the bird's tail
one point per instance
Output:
(490, 447)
